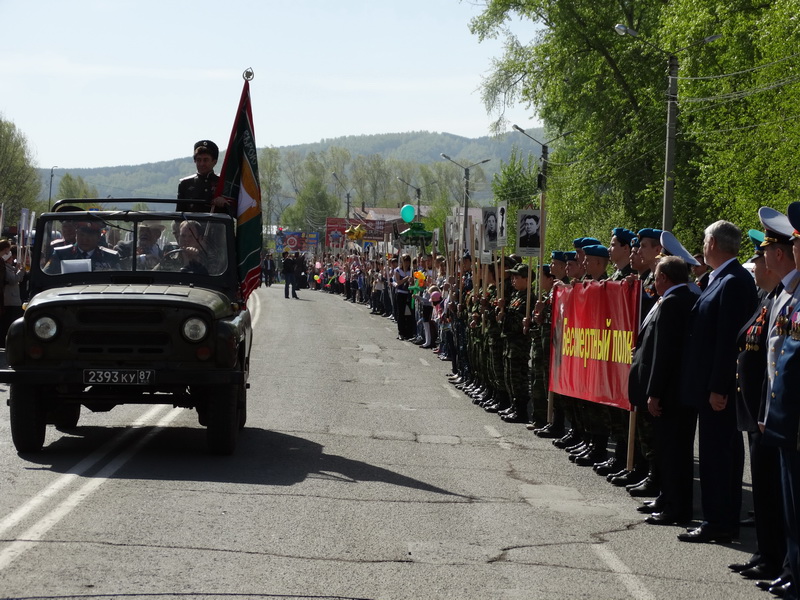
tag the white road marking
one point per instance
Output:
(636, 588)
(27, 539)
(82, 467)
(451, 391)
(424, 362)
(496, 434)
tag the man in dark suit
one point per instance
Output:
(772, 262)
(653, 386)
(708, 382)
(86, 246)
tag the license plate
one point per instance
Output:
(118, 376)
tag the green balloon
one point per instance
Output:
(407, 213)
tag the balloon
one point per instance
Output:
(316, 277)
(407, 213)
(342, 278)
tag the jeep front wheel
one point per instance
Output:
(27, 417)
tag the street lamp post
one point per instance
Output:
(417, 191)
(50, 195)
(466, 191)
(672, 116)
(346, 193)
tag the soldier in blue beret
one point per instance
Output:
(619, 251)
(558, 265)
(596, 262)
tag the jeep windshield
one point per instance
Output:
(129, 243)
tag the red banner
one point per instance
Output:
(594, 332)
(335, 228)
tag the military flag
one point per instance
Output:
(238, 181)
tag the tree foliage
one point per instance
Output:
(737, 107)
(19, 182)
(75, 187)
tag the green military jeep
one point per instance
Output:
(130, 306)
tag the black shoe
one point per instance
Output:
(783, 590)
(595, 456)
(577, 448)
(613, 477)
(652, 506)
(632, 478)
(493, 408)
(566, 441)
(513, 417)
(705, 534)
(506, 411)
(646, 489)
(612, 465)
(573, 456)
(739, 567)
(761, 571)
(665, 518)
(768, 585)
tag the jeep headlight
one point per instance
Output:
(45, 328)
(194, 329)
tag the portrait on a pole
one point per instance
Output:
(528, 232)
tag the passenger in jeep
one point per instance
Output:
(87, 248)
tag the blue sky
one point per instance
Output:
(95, 83)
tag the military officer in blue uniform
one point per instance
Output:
(781, 422)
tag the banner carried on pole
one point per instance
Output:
(238, 181)
(594, 333)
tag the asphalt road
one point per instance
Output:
(361, 474)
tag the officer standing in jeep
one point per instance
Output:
(203, 184)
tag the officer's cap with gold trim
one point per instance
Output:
(777, 227)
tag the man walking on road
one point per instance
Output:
(289, 276)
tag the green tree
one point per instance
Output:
(313, 206)
(269, 174)
(75, 187)
(19, 182)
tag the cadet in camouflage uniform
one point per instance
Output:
(501, 401)
(540, 355)
(516, 346)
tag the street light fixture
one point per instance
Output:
(50, 195)
(672, 115)
(466, 191)
(418, 192)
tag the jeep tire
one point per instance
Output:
(223, 418)
(28, 417)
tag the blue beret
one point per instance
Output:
(635, 242)
(588, 241)
(653, 234)
(546, 270)
(571, 255)
(596, 250)
(558, 255)
(625, 236)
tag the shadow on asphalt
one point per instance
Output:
(262, 457)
